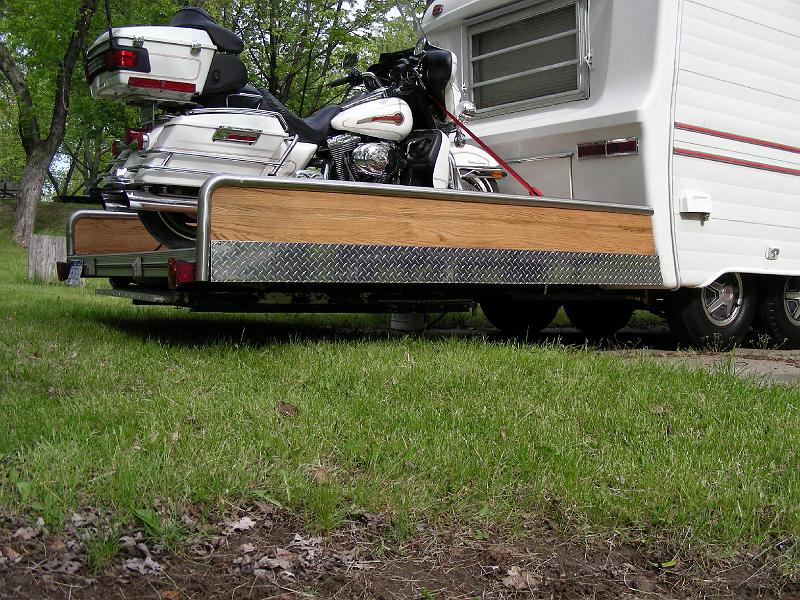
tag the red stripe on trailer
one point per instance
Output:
(736, 137)
(735, 161)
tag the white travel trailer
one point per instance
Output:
(688, 107)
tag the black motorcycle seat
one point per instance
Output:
(313, 129)
(192, 17)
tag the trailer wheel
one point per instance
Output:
(599, 319)
(717, 316)
(519, 319)
(778, 312)
(171, 229)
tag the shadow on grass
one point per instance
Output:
(188, 329)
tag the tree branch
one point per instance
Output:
(29, 131)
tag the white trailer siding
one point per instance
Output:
(737, 138)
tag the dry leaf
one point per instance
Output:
(144, 566)
(26, 533)
(320, 476)
(286, 409)
(240, 525)
(658, 409)
(521, 580)
(170, 594)
(58, 545)
(247, 548)
(284, 559)
(10, 554)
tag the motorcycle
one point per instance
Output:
(200, 118)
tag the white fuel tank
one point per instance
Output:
(386, 118)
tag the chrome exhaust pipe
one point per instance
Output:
(138, 200)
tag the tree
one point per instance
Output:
(17, 60)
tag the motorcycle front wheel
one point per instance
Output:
(480, 184)
(170, 229)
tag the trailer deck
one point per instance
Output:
(284, 235)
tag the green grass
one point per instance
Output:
(115, 406)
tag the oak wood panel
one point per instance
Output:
(271, 215)
(108, 234)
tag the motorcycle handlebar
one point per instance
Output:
(341, 81)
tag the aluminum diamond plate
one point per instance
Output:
(282, 262)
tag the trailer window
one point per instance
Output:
(529, 55)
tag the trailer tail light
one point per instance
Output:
(608, 148)
(117, 58)
(179, 272)
(162, 84)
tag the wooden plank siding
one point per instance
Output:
(269, 215)
(100, 234)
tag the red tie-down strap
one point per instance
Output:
(533, 191)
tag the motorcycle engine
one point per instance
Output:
(353, 160)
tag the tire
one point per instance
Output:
(718, 316)
(599, 319)
(171, 229)
(519, 319)
(778, 313)
(480, 184)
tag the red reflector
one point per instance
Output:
(437, 10)
(592, 150)
(161, 84)
(179, 272)
(126, 59)
(622, 147)
(115, 147)
(242, 138)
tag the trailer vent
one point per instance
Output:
(527, 57)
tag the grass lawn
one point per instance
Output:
(115, 406)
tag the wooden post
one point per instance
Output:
(43, 253)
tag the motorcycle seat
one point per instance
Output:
(192, 17)
(311, 130)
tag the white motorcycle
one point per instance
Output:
(200, 119)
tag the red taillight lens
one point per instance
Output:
(179, 272)
(619, 147)
(437, 10)
(121, 59)
(162, 84)
(115, 147)
(592, 150)
(135, 135)
(622, 147)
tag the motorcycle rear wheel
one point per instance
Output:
(480, 184)
(171, 229)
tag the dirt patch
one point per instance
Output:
(265, 553)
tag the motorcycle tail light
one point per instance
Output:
(437, 10)
(162, 84)
(135, 135)
(179, 272)
(121, 59)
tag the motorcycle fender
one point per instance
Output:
(441, 169)
(472, 157)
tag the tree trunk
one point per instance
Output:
(30, 189)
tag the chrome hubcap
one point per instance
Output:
(791, 299)
(722, 300)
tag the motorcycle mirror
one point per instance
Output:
(350, 60)
(419, 49)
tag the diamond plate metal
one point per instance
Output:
(281, 262)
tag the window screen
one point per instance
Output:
(531, 54)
